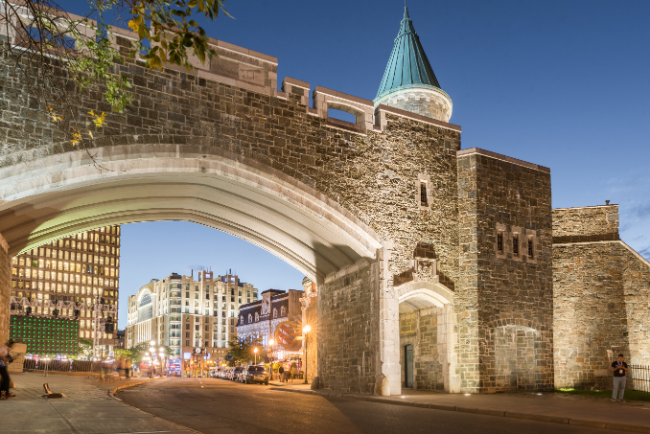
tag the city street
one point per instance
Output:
(220, 406)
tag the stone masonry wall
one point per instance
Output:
(420, 330)
(594, 223)
(375, 175)
(347, 331)
(505, 301)
(311, 317)
(431, 108)
(602, 296)
(5, 290)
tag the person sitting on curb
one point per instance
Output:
(619, 368)
(5, 360)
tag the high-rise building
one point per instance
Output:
(186, 314)
(72, 269)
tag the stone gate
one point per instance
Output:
(406, 239)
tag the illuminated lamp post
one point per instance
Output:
(255, 351)
(305, 330)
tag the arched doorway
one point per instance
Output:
(427, 337)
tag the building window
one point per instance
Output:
(257, 317)
(275, 313)
(187, 343)
(500, 242)
(283, 311)
(250, 318)
(187, 334)
(530, 248)
(187, 326)
(515, 244)
(423, 194)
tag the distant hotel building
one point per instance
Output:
(72, 269)
(186, 314)
(263, 317)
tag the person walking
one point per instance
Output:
(281, 372)
(5, 360)
(293, 371)
(619, 368)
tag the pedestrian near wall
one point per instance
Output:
(5, 360)
(281, 372)
(293, 371)
(619, 368)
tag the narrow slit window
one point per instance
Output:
(423, 194)
(515, 244)
(500, 242)
(530, 248)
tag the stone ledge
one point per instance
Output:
(479, 151)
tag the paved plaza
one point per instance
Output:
(87, 408)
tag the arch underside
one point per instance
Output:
(60, 195)
(415, 296)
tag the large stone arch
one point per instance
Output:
(425, 302)
(59, 195)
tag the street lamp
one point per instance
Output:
(306, 329)
(255, 351)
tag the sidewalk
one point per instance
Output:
(87, 408)
(545, 407)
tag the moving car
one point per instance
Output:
(254, 374)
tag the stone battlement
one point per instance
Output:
(251, 70)
(585, 224)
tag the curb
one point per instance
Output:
(124, 386)
(483, 411)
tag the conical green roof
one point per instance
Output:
(408, 64)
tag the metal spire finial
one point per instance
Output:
(406, 10)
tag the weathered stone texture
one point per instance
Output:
(347, 343)
(374, 175)
(594, 223)
(601, 300)
(504, 302)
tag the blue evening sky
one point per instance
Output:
(564, 84)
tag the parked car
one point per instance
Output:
(254, 374)
(225, 373)
(234, 374)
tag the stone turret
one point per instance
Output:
(409, 82)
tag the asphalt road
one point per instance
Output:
(220, 406)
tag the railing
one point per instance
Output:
(639, 378)
(60, 365)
